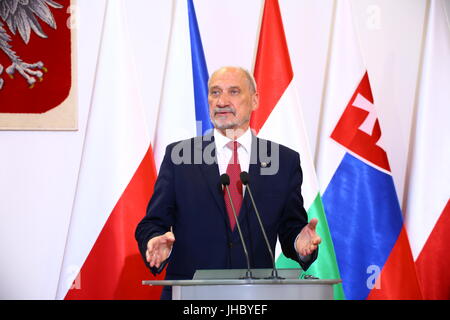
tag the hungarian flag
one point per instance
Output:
(117, 174)
(279, 118)
(360, 200)
(183, 110)
(428, 204)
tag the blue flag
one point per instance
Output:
(199, 73)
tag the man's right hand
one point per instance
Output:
(159, 248)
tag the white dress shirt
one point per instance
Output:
(224, 153)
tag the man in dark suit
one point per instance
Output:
(189, 223)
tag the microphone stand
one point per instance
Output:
(248, 273)
(245, 181)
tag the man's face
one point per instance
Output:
(230, 99)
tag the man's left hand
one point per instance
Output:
(308, 240)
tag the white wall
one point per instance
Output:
(38, 175)
(38, 170)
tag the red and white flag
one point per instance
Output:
(428, 204)
(117, 174)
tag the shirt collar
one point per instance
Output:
(245, 140)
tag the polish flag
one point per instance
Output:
(279, 118)
(361, 204)
(428, 202)
(117, 173)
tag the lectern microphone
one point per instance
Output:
(245, 181)
(225, 181)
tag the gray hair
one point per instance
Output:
(250, 79)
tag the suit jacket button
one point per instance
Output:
(230, 244)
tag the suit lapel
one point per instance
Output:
(210, 171)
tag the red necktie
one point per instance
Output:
(234, 171)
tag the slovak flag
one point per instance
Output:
(361, 204)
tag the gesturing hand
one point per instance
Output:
(308, 239)
(159, 248)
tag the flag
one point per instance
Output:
(279, 118)
(428, 205)
(361, 204)
(183, 111)
(116, 177)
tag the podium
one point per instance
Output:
(229, 285)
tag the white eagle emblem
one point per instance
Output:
(22, 16)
